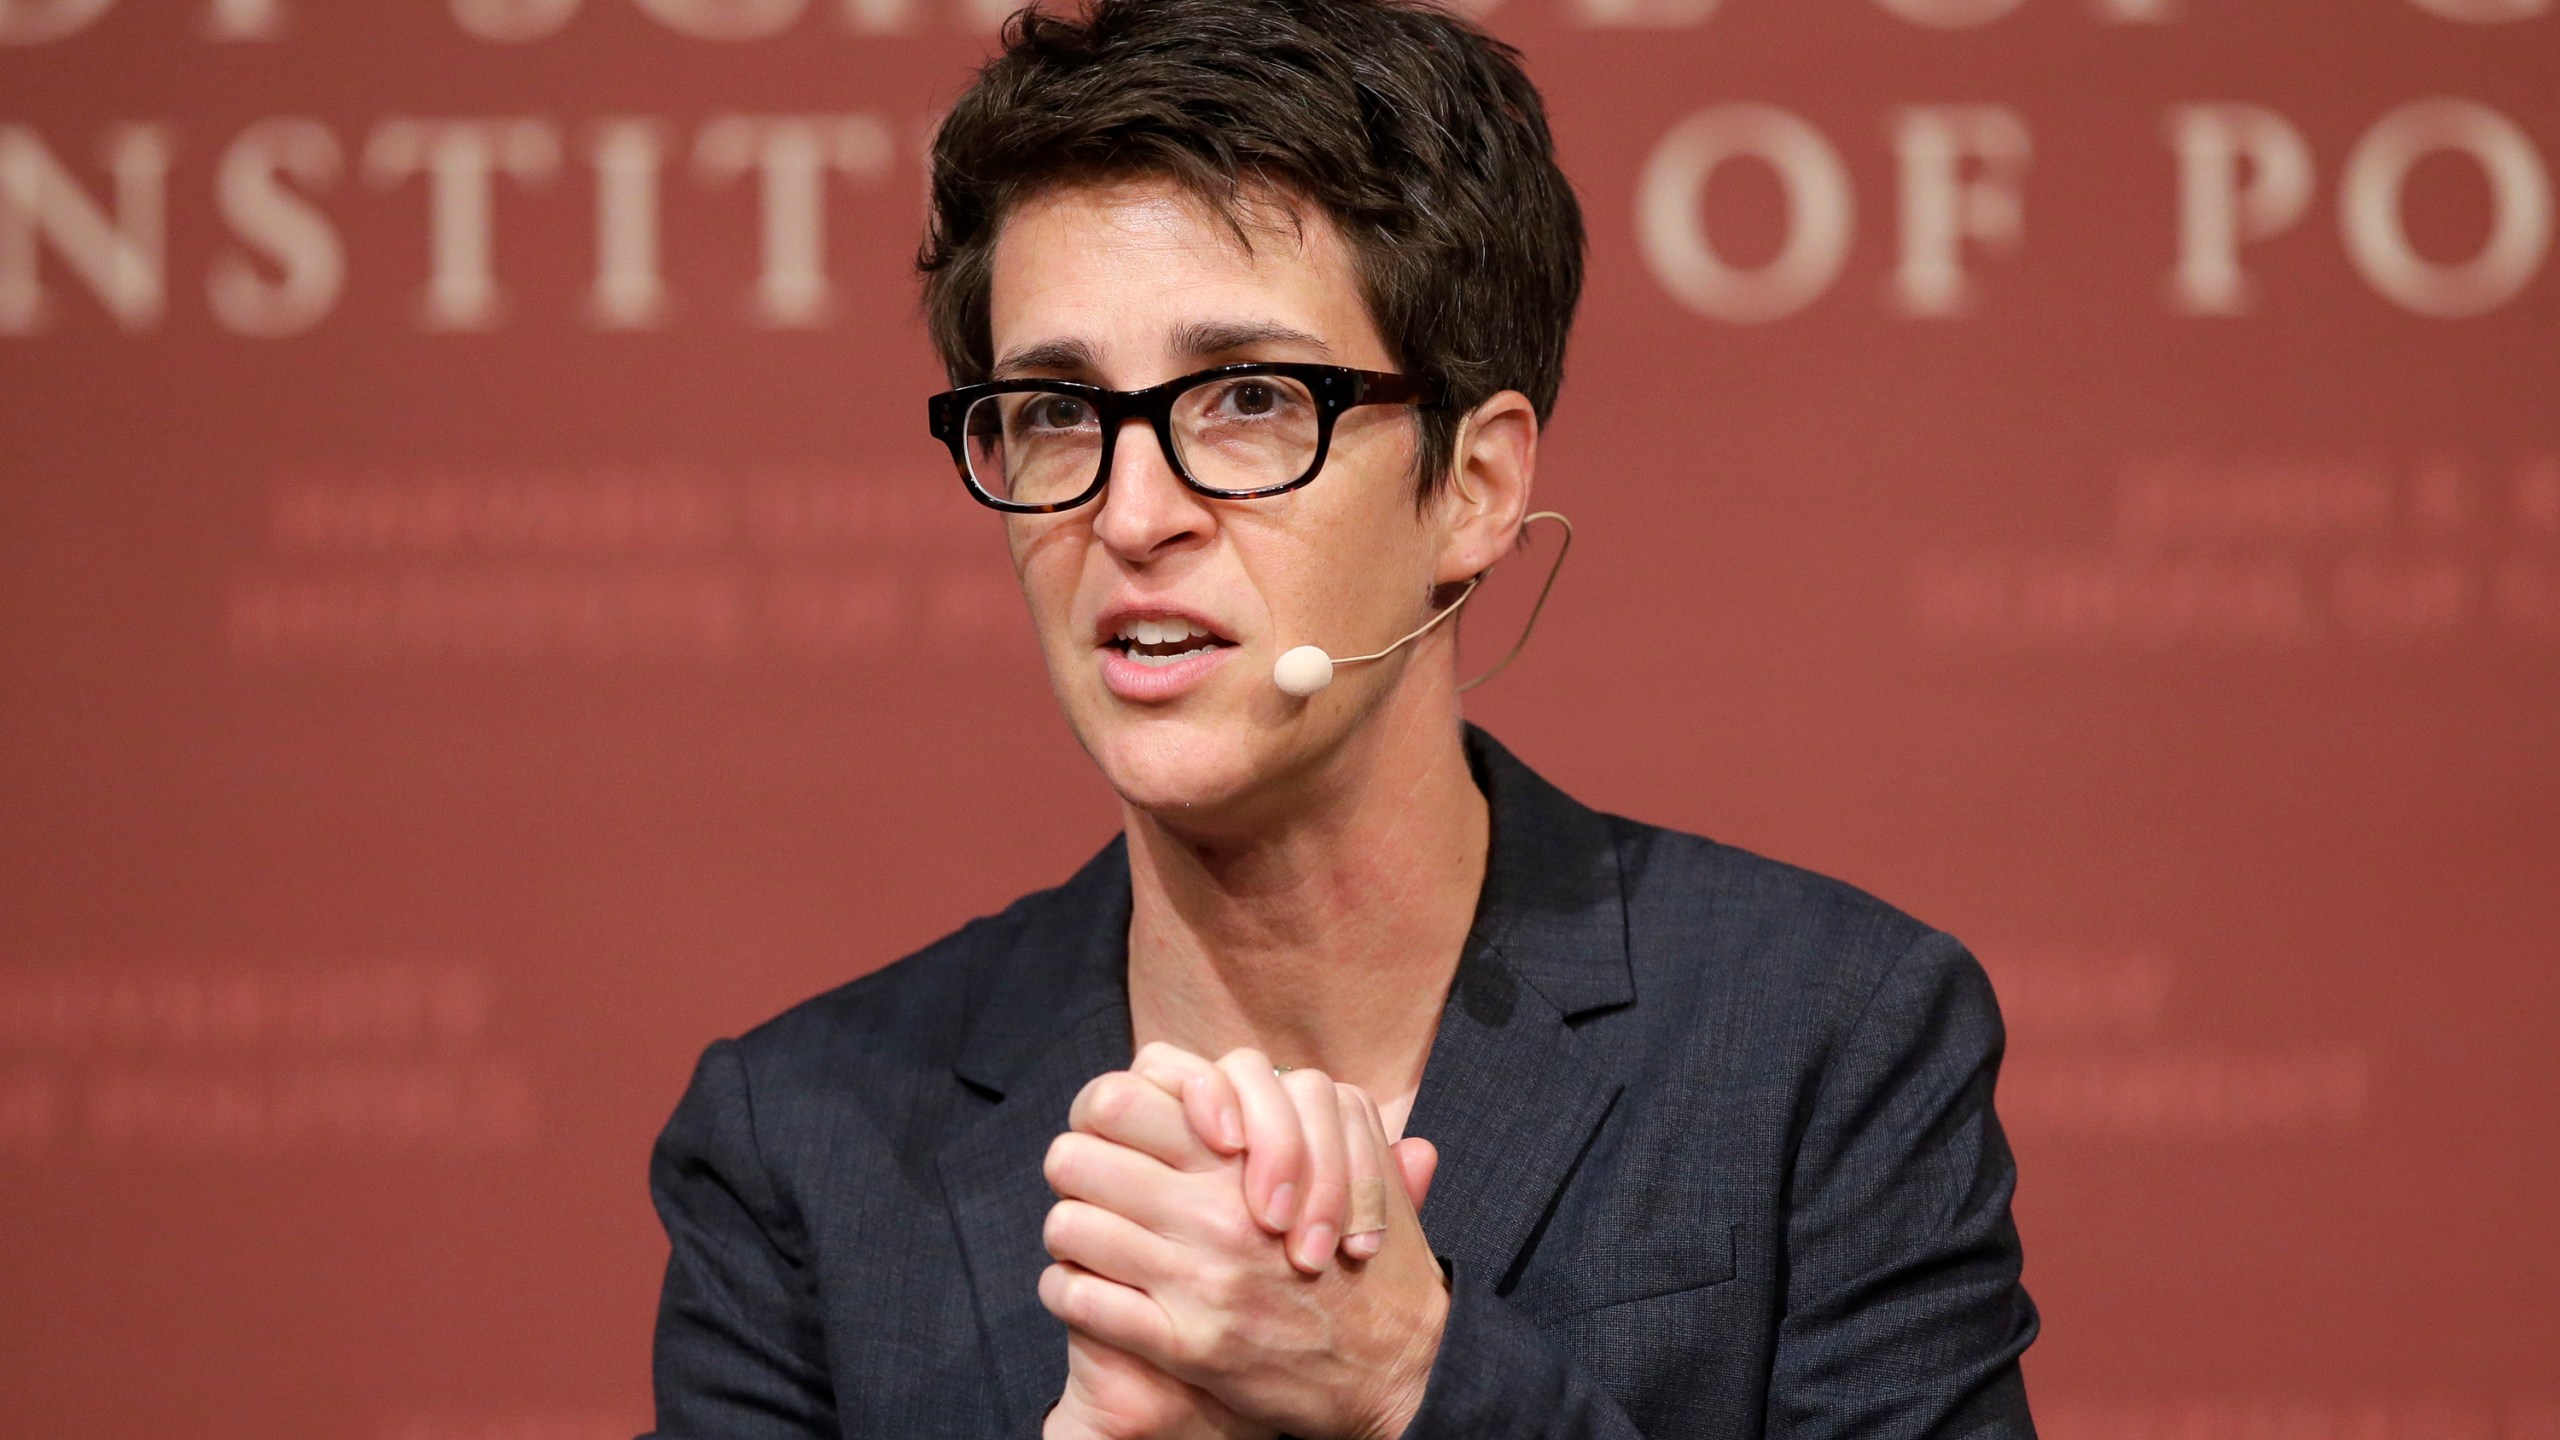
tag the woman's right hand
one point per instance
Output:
(1301, 1139)
(1297, 1134)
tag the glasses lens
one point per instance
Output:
(1246, 432)
(1033, 447)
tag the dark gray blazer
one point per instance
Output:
(1717, 1151)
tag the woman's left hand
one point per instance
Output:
(1159, 1255)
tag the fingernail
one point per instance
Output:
(1231, 1129)
(1317, 1247)
(1366, 1244)
(1284, 1207)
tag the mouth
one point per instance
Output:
(1161, 640)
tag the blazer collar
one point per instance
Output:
(1068, 960)
(1051, 1011)
(1554, 904)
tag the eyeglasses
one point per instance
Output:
(1238, 432)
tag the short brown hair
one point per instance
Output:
(1414, 131)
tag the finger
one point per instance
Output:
(1126, 1182)
(1319, 1223)
(1217, 1117)
(1127, 1110)
(1275, 1154)
(1107, 1310)
(1365, 1147)
(1419, 1159)
(1413, 1160)
(1208, 1096)
(1111, 1246)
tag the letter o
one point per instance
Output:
(2369, 218)
(33, 22)
(513, 21)
(2484, 12)
(1671, 222)
(726, 19)
(1950, 14)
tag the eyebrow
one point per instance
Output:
(1047, 355)
(1200, 339)
(1220, 337)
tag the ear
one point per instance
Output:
(1490, 473)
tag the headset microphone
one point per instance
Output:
(1307, 669)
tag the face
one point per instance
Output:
(1160, 610)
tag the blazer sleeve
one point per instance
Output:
(1904, 1315)
(1497, 1378)
(740, 1347)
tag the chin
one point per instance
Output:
(1176, 765)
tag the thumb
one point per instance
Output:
(1418, 1159)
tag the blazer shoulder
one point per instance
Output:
(1720, 912)
(909, 1014)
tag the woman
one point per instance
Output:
(1255, 309)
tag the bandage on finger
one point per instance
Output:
(1368, 1205)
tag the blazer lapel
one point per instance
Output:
(1511, 1101)
(1057, 1015)
(1511, 1095)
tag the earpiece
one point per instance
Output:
(1305, 669)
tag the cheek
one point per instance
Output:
(1370, 539)
(1383, 442)
(1049, 563)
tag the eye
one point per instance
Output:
(1056, 412)
(1253, 397)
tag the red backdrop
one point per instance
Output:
(480, 617)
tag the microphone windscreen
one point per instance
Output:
(1303, 671)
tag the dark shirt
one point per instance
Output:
(1718, 1158)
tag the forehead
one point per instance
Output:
(1125, 266)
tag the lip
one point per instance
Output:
(1155, 684)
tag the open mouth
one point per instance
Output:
(1170, 641)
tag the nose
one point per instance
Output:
(1146, 511)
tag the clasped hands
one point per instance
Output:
(1201, 1265)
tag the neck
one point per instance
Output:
(1328, 938)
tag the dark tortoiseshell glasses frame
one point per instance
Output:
(1335, 388)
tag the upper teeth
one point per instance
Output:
(1160, 632)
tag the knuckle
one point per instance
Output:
(1115, 1095)
(1203, 1345)
(1282, 1150)
(1222, 1285)
(1058, 1166)
(1076, 1300)
(1231, 1229)
(1356, 1101)
(1186, 1346)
